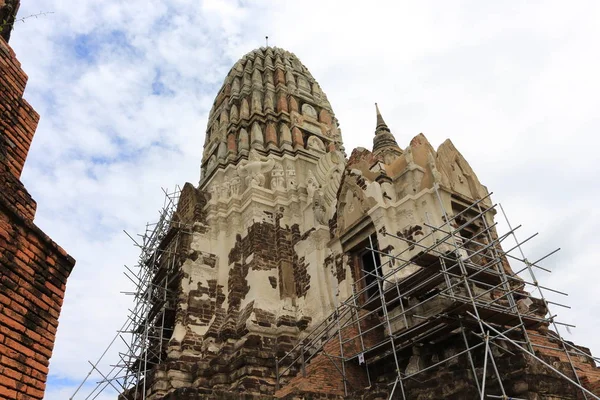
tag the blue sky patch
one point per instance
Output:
(158, 86)
(86, 47)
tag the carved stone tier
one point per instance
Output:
(269, 102)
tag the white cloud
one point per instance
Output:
(514, 86)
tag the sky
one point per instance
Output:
(124, 89)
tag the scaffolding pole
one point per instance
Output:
(145, 331)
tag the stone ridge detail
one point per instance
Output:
(33, 269)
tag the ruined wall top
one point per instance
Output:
(269, 102)
(8, 13)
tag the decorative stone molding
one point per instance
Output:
(254, 168)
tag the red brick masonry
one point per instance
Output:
(33, 269)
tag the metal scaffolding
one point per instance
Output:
(149, 325)
(458, 286)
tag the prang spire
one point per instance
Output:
(258, 108)
(381, 125)
(384, 143)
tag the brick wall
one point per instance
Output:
(33, 269)
(18, 120)
(322, 374)
(588, 372)
(522, 375)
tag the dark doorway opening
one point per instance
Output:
(371, 269)
(368, 267)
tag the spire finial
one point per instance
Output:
(384, 143)
(381, 125)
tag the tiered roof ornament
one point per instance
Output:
(384, 142)
(269, 102)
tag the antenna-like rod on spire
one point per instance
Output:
(267, 39)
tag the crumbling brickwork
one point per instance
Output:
(33, 269)
(526, 377)
(321, 379)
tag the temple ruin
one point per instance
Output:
(293, 272)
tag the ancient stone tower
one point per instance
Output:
(293, 272)
(33, 269)
(253, 279)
